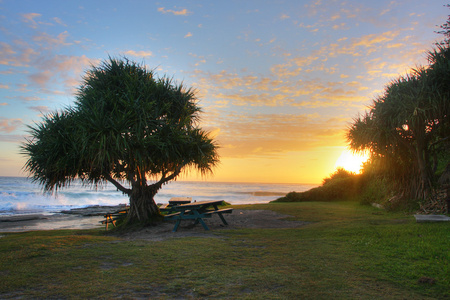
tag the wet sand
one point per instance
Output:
(78, 218)
(20, 223)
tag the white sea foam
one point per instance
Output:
(20, 195)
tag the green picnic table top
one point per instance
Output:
(179, 200)
(196, 211)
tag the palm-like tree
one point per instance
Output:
(405, 124)
(126, 126)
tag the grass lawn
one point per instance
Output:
(348, 251)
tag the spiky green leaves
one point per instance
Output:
(126, 124)
(406, 125)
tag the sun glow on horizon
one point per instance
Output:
(351, 161)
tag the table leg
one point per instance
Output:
(175, 228)
(223, 219)
(220, 215)
(199, 219)
(176, 225)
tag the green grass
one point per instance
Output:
(348, 251)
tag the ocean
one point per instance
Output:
(19, 195)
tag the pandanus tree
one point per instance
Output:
(405, 126)
(127, 127)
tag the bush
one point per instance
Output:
(340, 173)
(367, 188)
(341, 185)
(375, 190)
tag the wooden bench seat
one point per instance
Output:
(186, 216)
(168, 216)
(163, 206)
(221, 211)
(111, 218)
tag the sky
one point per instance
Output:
(279, 81)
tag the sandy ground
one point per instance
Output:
(238, 219)
(48, 222)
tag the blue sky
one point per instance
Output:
(279, 81)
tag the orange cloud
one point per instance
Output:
(335, 17)
(59, 21)
(371, 40)
(49, 41)
(284, 71)
(41, 78)
(9, 55)
(339, 26)
(139, 53)
(61, 68)
(183, 12)
(9, 125)
(29, 18)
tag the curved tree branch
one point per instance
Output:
(118, 185)
(165, 179)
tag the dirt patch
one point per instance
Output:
(238, 219)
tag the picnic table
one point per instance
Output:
(196, 211)
(180, 200)
(174, 202)
(114, 216)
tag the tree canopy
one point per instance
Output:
(407, 128)
(445, 31)
(126, 126)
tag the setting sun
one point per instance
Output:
(351, 161)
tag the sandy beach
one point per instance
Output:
(33, 222)
(79, 220)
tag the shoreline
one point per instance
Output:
(78, 218)
(36, 222)
(91, 217)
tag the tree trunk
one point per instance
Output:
(424, 188)
(143, 208)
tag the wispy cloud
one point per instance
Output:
(182, 12)
(30, 19)
(48, 41)
(340, 26)
(59, 21)
(8, 54)
(40, 109)
(59, 68)
(41, 78)
(371, 40)
(22, 98)
(9, 125)
(139, 53)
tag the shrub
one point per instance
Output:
(341, 185)
(375, 190)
